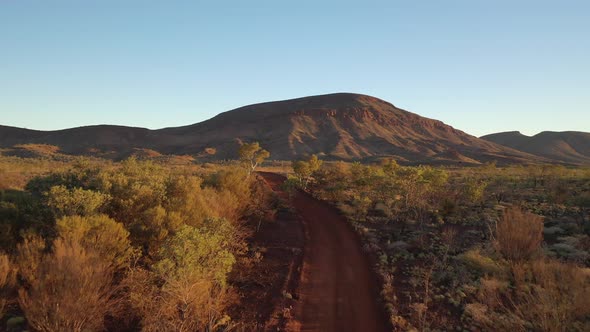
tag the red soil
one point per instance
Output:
(337, 289)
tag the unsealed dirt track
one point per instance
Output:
(337, 290)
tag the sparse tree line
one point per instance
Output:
(131, 246)
(415, 194)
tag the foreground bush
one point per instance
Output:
(187, 289)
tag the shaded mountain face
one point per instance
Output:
(339, 126)
(104, 140)
(567, 147)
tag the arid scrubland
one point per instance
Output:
(92, 245)
(475, 248)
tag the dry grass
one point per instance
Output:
(542, 295)
(554, 296)
(7, 278)
(519, 234)
(68, 289)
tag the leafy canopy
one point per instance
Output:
(252, 155)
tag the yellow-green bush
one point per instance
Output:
(484, 264)
(77, 201)
(187, 289)
(99, 234)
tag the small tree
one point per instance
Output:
(252, 155)
(261, 204)
(290, 186)
(304, 170)
(519, 234)
(474, 190)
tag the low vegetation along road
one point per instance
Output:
(337, 290)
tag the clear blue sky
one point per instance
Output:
(481, 66)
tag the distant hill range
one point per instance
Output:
(567, 147)
(341, 126)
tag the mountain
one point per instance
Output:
(341, 126)
(567, 146)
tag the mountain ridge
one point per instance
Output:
(565, 146)
(339, 126)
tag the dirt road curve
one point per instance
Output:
(337, 291)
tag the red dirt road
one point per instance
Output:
(337, 290)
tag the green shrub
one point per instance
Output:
(77, 201)
(203, 251)
(483, 264)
